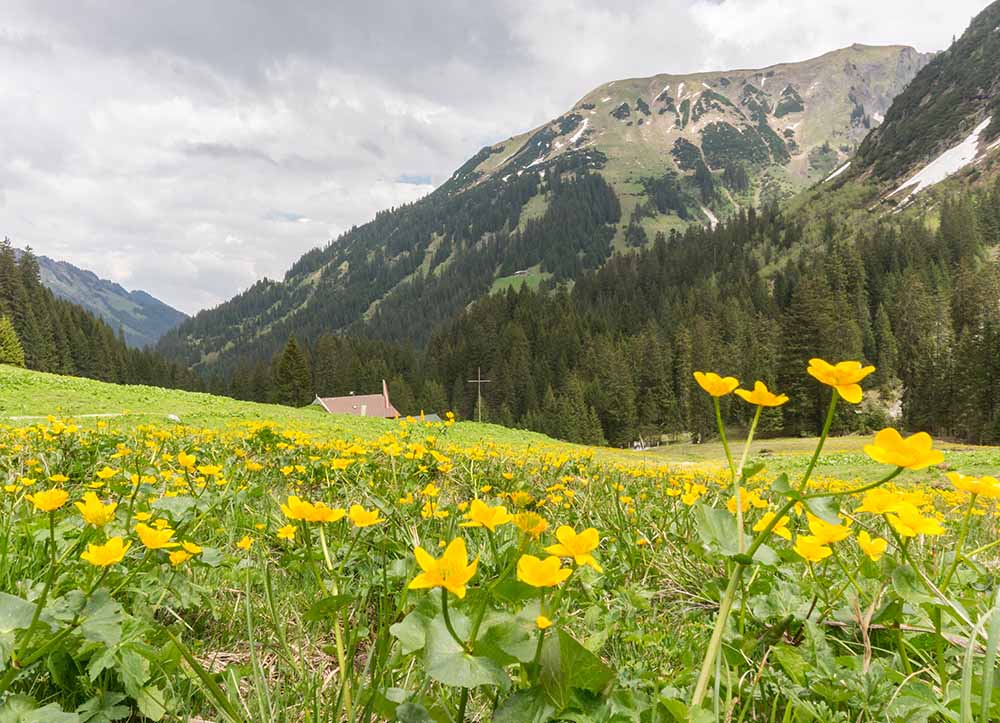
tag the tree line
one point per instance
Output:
(49, 334)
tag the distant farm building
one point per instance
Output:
(361, 405)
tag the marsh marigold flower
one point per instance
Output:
(245, 542)
(481, 514)
(542, 573)
(780, 528)
(287, 532)
(714, 384)
(48, 500)
(542, 622)
(111, 552)
(827, 533)
(185, 460)
(531, 523)
(874, 548)
(811, 548)
(179, 557)
(914, 452)
(452, 570)
(908, 522)
(762, 396)
(96, 512)
(879, 501)
(984, 486)
(843, 376)
(298, 509)
(578, 546)
(155, 539)
(361, 517)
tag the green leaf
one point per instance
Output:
(752, 469)
(566, 665)
(824, 508)
(781, 486)
(104, 708)
(102, 620)
(907, 585)
(134, 670)
(716, 528)
(24, 709)
(62, 669)
(507, 641)
(151, 702)
(448, 663)
(792, 662)
(525, 706)
(177, 507)
(412, 713)
(322, 609)
(15, 613)
(411, 632)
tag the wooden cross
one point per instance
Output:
(479, 382)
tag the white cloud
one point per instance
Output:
(191, 151)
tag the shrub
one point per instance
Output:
(11, 351)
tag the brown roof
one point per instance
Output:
(361, 405)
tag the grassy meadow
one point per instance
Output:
(252, 562)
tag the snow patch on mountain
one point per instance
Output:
(837, 172)
(576, 136)
(948, 163)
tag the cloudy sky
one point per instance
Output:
(190, 148)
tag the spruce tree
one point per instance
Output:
(292, 379)
(10, 346)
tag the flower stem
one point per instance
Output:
(447, 622)
(738, 478)
(822, 439)
(715, 643)
(961, 543)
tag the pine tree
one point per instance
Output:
(10, 346)
(292, 378)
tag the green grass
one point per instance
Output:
(32, 396)
(532, 279)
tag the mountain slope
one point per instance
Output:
(631, 159)
(143, 317)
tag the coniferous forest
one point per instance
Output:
(57, 336)
(611, 358)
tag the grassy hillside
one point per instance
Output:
(27, 397)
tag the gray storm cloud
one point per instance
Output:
(190, 149)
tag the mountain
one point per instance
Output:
(631, 159)
(143, 317)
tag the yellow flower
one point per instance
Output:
(111, 552)
(297, 509)
(179, 557)
(287, 532)
(826, 533)
(59, 478)
(780, 529)
(812, 549)
(185, 460)
(209, 470)
(106, 473)
(542, 622)
(245, 542)
(155, 539)
(577, 546)
(844, 377)
(48, 500)
(94, 511)
(714, 384)
(531, 523)
(542, 573)
(362, 517)
(984, 486)
(482, 515)
(452, 570)
(191, 547)
(874, 548)
(879, 501)
(762, 396)
(914, 452)
(908, 522)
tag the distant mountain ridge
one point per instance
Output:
(142, 317)
(632, 159)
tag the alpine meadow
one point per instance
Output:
(679, 407)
